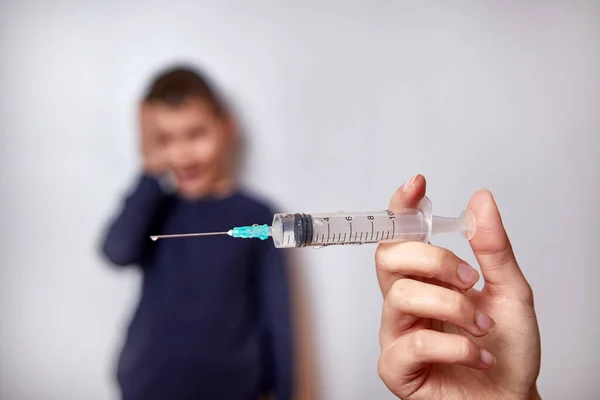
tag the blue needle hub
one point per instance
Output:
(251, 232)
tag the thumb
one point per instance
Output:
(494, 252)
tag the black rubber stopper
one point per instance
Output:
(303, 229)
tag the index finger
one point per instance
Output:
(407, 196)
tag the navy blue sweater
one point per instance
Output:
(213, 319)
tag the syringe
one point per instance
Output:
(347, 228)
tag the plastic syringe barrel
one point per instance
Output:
(318, 230)
(303, 230)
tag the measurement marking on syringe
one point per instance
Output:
(388, 235)
(328, 231)
(361, 236)
(344, 237)
(350, 231)
(377, 237)
(393, 228)
(372, 230)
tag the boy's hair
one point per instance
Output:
(178, 84)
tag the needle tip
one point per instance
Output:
(154, 238)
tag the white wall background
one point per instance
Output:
(342, 101)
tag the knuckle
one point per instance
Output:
(457, 304)
(527, 294)
(417, 343)
(387, 366)
(443, 258)
(465, 349)
(389, 256)
(382, 368)
(382, 257)
(399, 296)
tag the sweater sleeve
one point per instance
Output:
(126, 240)
(275, 308)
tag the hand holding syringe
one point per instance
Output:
(340, 228)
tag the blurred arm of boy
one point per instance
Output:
(126, 242)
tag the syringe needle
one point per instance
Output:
(156, 237)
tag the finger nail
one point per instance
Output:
(487, 358)
(409, 184)
(467, 274)
(484, 322)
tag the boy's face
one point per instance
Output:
(194, 140)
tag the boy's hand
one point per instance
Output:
(152, 153)
(440, 338)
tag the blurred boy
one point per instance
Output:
(213, 318)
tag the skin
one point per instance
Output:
(442, 339)
(191, 143)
